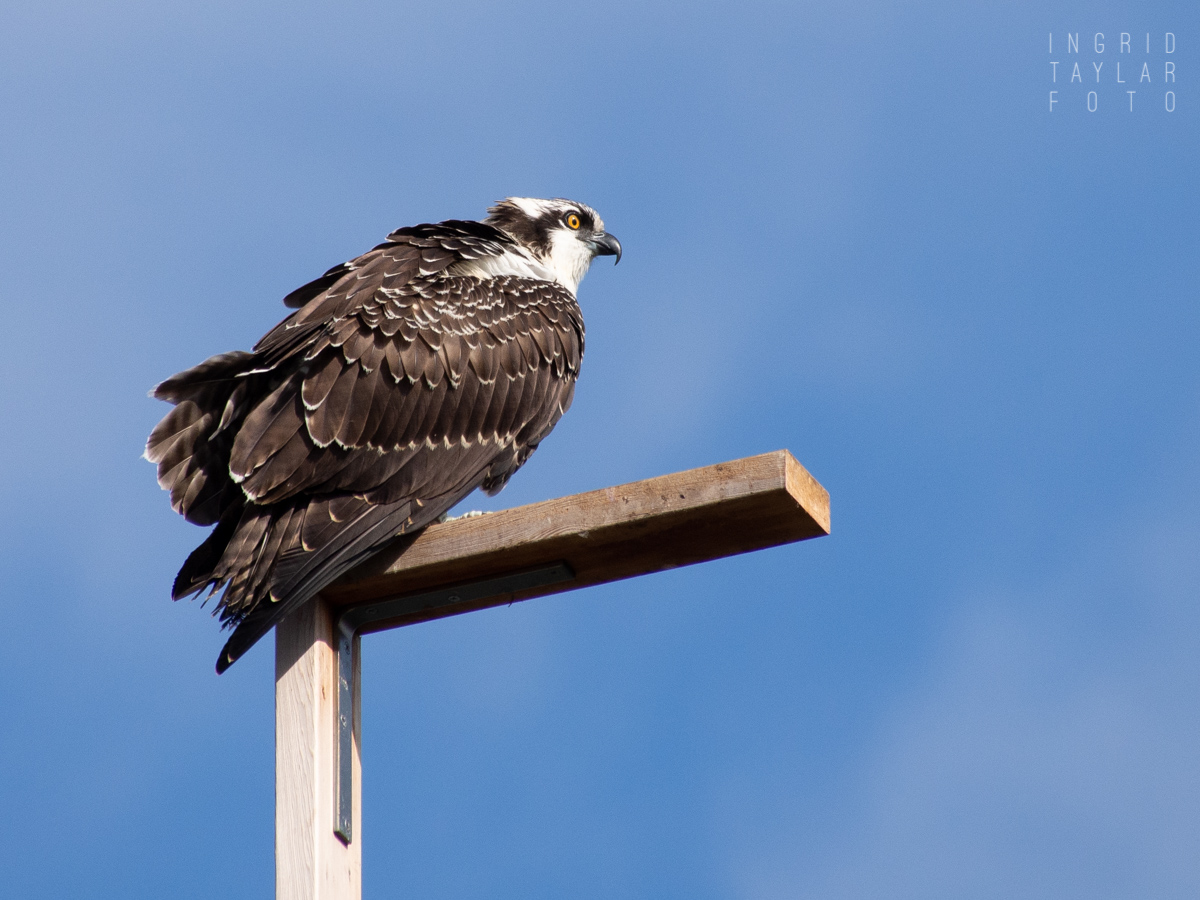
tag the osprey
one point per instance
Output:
(425, 368)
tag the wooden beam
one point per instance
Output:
(591, 538)
(606, 535)
(311, 862)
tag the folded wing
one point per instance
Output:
(395, 389)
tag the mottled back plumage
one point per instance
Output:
(429, 366)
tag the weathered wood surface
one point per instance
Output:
(311, 863)
(606, 535)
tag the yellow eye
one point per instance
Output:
(572, 221)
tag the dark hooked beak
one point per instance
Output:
(604, 244)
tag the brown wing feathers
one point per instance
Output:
(394, 391)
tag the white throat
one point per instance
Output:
(569, 259)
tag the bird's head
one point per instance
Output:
(563, 235)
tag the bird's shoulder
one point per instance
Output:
(371, 401)
(415, 251)
(452, 276)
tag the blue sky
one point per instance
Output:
(853, 230)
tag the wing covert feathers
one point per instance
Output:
(395, 389)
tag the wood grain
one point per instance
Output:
(311, 863)
(605, 535)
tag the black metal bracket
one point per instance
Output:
(351, 623)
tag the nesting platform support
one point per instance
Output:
(468, 564)
(609, 534)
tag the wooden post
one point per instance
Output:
(545, 548)
(311, 862)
